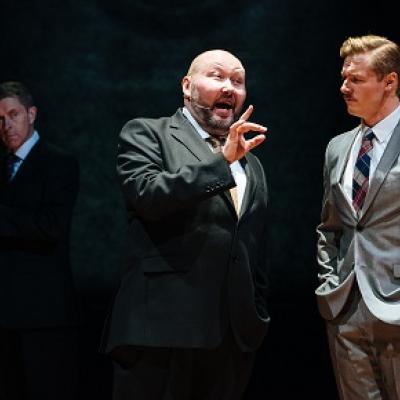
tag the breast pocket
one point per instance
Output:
(392, 180)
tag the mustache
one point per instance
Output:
(201, 106)
(221, 100)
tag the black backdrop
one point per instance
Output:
(94, 64)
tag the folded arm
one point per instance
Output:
(50, 219)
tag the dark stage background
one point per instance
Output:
(92, 65)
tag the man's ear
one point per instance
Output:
(32, 112)
(186, 85)
(392, 81)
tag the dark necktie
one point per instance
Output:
(216, 145)
(361, 170)
(11, 164)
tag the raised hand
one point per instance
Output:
(236, 146)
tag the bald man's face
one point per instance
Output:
(215, 90)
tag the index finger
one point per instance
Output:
(245, 116)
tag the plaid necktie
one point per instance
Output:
(216, 145)
(11, 165)
(361, 170)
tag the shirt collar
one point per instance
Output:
(195, 124)
(384, 128)
(24, 150)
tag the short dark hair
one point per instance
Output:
(17, 90)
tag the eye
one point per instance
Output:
(237, 81)
(216, 75)
(355, 79)
(14, 114)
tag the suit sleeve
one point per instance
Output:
(50, 220)
(150, 189)
(329, 232)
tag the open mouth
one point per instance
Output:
(223, 108)
(224, 104)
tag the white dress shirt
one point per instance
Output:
(237, 170)
(383, 131)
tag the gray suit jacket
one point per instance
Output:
(364, 247)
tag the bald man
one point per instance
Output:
(190, 309)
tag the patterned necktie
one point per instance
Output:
(361, 171)
(11, 165)
(216, 145)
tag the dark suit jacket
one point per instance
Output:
(36, 288)
(192, 268)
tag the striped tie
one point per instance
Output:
(216, 145)
(361, 171)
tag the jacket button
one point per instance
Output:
(359, 228)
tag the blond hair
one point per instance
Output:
(385, 54)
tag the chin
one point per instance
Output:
(352, 110)
(229, 120)
(222, 123)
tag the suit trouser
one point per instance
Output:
(365, 353)
(181, 374)
(38, 364)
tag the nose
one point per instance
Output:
(344, 88)
(5, 123)
(227, 86)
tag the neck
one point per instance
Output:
(383, 112)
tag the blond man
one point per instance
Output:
(359, 233)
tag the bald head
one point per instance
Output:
(214, 90)
(221, 57)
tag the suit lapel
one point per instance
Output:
(183, 131)
(344, 153)
(251, 185)
(25, 168)
(389, 156)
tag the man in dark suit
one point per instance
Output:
(38, 316)
(190, 310)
